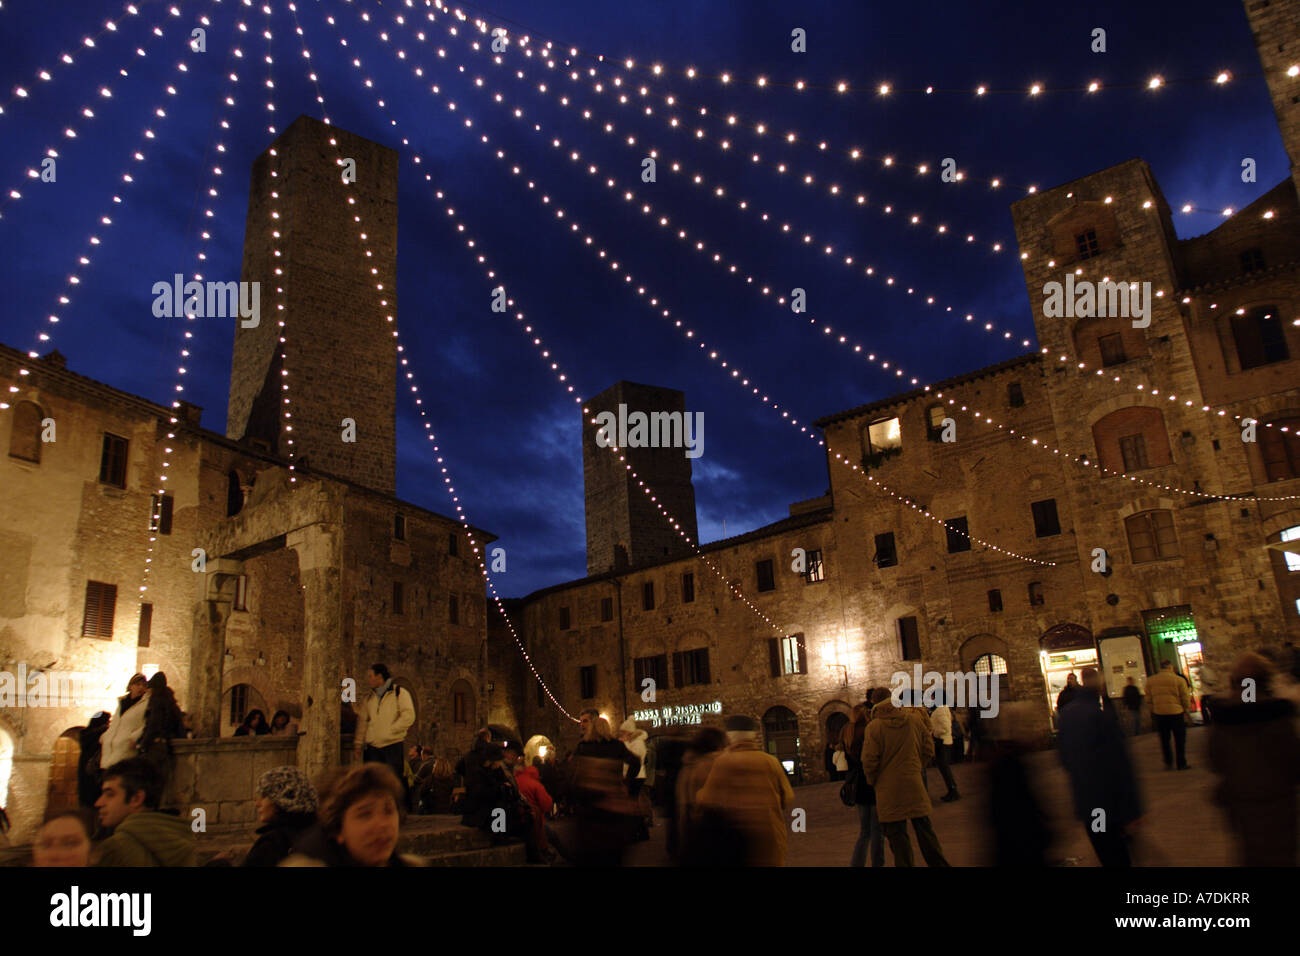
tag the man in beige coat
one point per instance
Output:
(897, 745)
(1170, 703)
(751, 790)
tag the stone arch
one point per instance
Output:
(534, 745)
(978, 645)
(1146, 503)
(8, 748)
(256, 699)
(826, 717)
(1118, 402)
(1274, 525)
(1065, 635)
(1134, 418)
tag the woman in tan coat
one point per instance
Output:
(750, 789)
(897, 745)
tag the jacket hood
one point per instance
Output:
(887, 712)
(168, 837)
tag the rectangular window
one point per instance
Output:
(934, 416)
(995, 600)
(1252, 260)
(101, 604)
(453, 609)
(650, 668)
(884, 435)
(688, 587)
(816, 571)
(909, 640)
(1015, 395)
(399, 527)
(1035, 593)
(886, 553)
(1259, 337)
(112, 461)
(565, 623)
(160, 514)
(399, 598)
(1046, 523)
(766, 575)
(587, 681)
(691, 667)
(241, 594)
(459, 708)
(793, 656)
(1151, 536)
(146, 626)
(1112, 349)
(648, 596)
(1086, 244)
(1133, 449)
(607, 609)
(453, 544)
(958, 535)
(238, 703)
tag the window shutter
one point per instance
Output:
(677, 669)
(803, 653)
(774, 655)
(165, 515)
(703, 666)
(90, 616)
(661, 670)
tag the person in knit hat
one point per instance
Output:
(749, 790)
(634, 739)
(286, 808)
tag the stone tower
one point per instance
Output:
(1275, 25)
(624, 528)
(337, 344)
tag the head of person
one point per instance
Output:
(254, 719)
(362, 813)
(513, 752)
(377, 675)
(280, 720)
(594, 726)
(627, 730)
(1072, 680)
(741, 729)
(707, 740)
(878, 695)
(284, 791)
(1090, 679)
(63, 839)
(130, 786)
(100, 719)
(1250, 666)
(136, 686)
(858, 713)
(1166, 665)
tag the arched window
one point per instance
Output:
(990, 664)
(1151, 536)
(1132, 439)
(25, 438)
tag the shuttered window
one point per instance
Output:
(160, 517)
(1151, 536)
(145, 633)
(691, 667)
(787, 655)
(101, 604)
(112, 461)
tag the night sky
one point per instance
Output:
(510, 434)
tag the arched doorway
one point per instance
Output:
(781, 737)
(61, 794)
(835, 723)
(1064, 650)
(239, 701)
(538, 746)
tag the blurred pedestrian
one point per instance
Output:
(360, 822)
(1254, 750)
(852, 738)
(1133, 704)
(1170, 703)
(605, 818)
(634, 739)
(529, 785)
(941, 730)
(670, 751)
(286, 808)
(1096, 758)
(63, 839)
(697, 762)
(1019, 825)
(897, 745)
(750, 788)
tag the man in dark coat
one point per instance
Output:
(1093, 750)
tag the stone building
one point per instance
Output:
(278, 572)
(1107, 441)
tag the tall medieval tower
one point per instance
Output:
(624, 527)
(1275, 25)
(335, 353)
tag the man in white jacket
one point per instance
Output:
(118, 741)
(941, 730)
(385, 718)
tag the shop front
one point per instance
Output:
(1172, 636)
(1064, 650)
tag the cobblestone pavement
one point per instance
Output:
(1182, 827)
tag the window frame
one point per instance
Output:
(26, 433)
(893, 550)
(587, 681)
(99, 613)
(1042, 512)
(902, 626)
(814, 568)
(1138, 444)
(1146, 523)
(111, 463)
(688, 587)
(960, 537)
(1104, 343)
(761, 567)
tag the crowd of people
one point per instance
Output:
(723, 800)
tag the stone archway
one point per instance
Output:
(61, 792)
(6, 764)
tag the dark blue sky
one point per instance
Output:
(510, 435)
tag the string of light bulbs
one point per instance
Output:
(70, 132)
(735, 374)
(187, 330)
(44, 337)
(449, 487)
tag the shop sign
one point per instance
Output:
(677, 715)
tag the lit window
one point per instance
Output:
(885, 434)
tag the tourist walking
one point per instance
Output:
(941, 730)
(119, 740)
(634, 739)
(604, 815)
(697, 762)
(1133, 704)
(1254, 750)
(1018, 824)
(142, 836)
(750, 788)
(852, 737)
(286, 809)
(385, 718)
(898, 743)
(1096, 758)
(1170, 702)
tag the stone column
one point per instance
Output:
(320, 572)
(208, 647)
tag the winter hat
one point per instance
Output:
(289, 789)
(628, 726)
